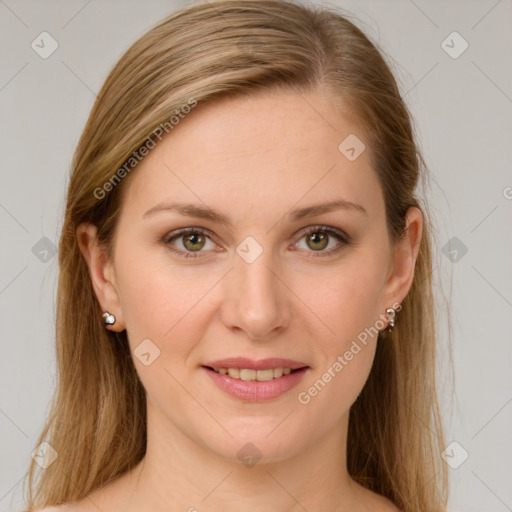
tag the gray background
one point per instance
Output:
(462, 107)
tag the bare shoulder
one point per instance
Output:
(386, 505)
(102, 498)
(66, 507)
(54, 508)
(382, 504)
(376, 502)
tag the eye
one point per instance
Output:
(193, 241)
(317, 238)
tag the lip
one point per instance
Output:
(254, 390)
(251, 364)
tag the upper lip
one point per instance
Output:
(260, 364)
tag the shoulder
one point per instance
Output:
(383, 504)
(108, 497)
(66, 507)
(377, 502)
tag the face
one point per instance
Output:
(275, 284)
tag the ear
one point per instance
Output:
(101, 272)
(404, 260)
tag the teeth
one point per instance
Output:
(234, 372)
(249, 374)
(265, 374)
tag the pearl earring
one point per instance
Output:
(392, 314)
(110, 319)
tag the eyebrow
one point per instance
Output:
(204, 212)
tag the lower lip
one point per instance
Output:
(255, 390)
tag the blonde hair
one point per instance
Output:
(97, 422)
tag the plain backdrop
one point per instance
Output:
(452, 59)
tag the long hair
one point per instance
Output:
(97, 421)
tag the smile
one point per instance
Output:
(248, 374)
(255, 381)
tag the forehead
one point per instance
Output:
(265, 152)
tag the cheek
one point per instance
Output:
(346, 353)
(146, 302)
(347, 302)
(161, 300)
(160, 303)
(150, 299)
(345, 299)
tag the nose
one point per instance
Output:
(256, 300)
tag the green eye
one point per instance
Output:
(194, 240)
(318, 238)
(317, 241)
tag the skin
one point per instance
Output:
(254, 160)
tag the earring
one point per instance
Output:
(110, 319)
(391, 314)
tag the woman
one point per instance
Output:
(245, 312)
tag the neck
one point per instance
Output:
(178, 473)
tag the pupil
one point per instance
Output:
(318, 238)
(192, 239)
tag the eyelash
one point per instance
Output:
(336, 233)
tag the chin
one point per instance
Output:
(258, 439)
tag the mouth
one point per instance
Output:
(249, 374)
(255, 381)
